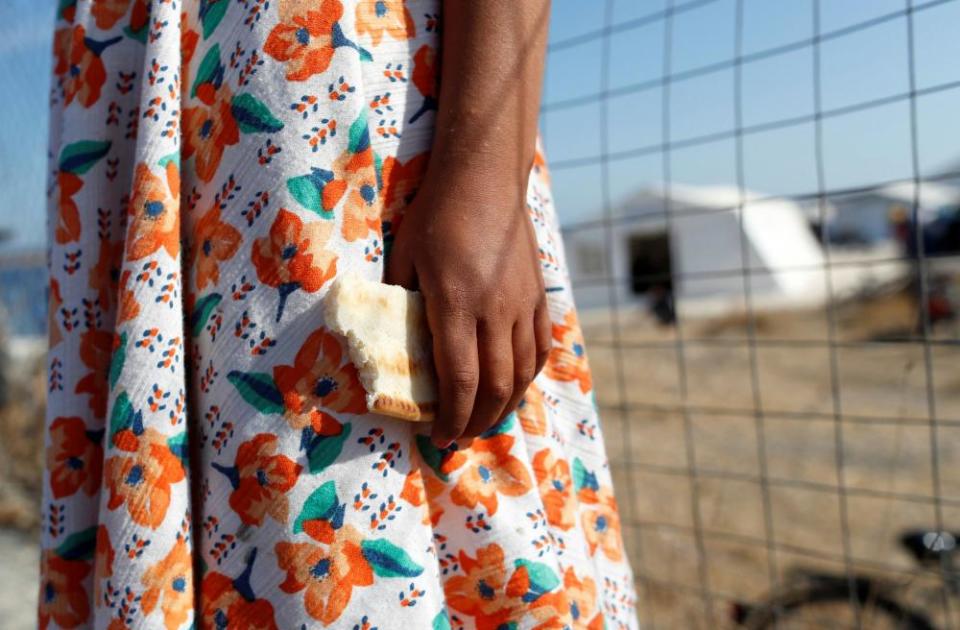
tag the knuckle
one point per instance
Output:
(523, 377)
(499, 391)
(452, 297)
(463, 382)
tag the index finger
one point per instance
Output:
(458, 373)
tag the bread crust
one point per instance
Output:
(403, 409)
(389, 342)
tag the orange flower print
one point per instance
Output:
(105, 275)
(328, 575)
(63, 599)
(62, 40)
(260, 479)
(96, 348)
(532, 414)
(376, 17)
(481, 591)
(354, 178)
(319, 380)
(357, 181)
(540, 168)
(490, 470)
(54, 333)
(141, 476)
(568, 360)
(76, 159)
(213, 242)
(107, 13)
(74, 457)
(556, 488)
(85, 73)
(129, 306)
(400, 183)
(306, 37)
(425, 74)
(601, 526)
(103, 559)
(209, 128)
(530, 583)
(293, 257)
(230, 604)
(424, 491)
(583, 601)
(169, 582)
(68, 215)
(154, 211)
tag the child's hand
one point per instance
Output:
(473, 255)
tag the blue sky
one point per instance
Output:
(860, 148)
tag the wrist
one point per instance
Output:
(469, 175)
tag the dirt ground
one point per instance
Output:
(768, 482)
(884, 439)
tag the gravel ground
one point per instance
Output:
(18, 580)
(885, 449)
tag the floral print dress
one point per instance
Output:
(209, 460)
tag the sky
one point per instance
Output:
(860, 148)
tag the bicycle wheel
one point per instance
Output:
(828, 605)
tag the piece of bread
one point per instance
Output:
(389, 342)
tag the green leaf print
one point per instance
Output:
(583, 478)
(359, 134)
(170, 157)
(79, 157)
(501, 427)
(541, 578)
(253, 116)
(63, 6)
(258, 389)
(209, 69)
(202, 311)
(117, 360)
(308, 191)
(179, 447)
(432, 455)
(211, 12)
(378, 169)
(321, 505)
(323, 450)
(139, 34)
(388, 560)
(441, 621)
(123, 415)
(79, 545)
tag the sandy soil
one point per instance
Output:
(884, 440)
(19, 575)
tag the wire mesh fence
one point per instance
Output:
(768, 290)
(775, 370)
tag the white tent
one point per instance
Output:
(864, 218)
(701, 248)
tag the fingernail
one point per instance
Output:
(442, 442)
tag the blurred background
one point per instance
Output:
(761, 206)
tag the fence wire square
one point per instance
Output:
(802, 424)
